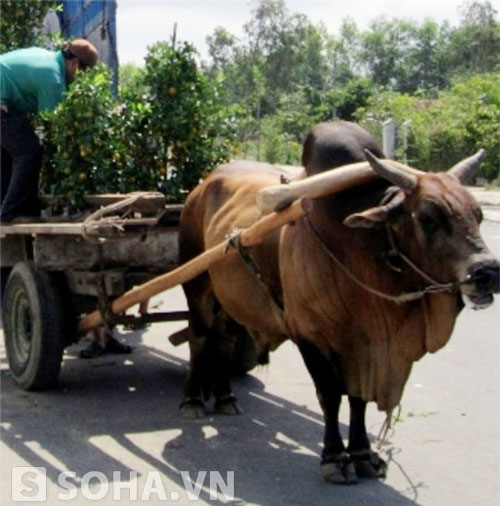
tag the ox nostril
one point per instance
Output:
(486, 277)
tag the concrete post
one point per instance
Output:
(389, 138)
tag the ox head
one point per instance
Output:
(436, 223)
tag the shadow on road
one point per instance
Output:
(114, 410)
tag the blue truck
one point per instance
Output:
(94, 20)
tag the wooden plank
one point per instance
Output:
(93, 228)
(42, 228)
(152, 249)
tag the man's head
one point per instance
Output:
(79, 54)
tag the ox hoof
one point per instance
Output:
(193, 408)
(228, 405)
(368, 464)
(340, 470)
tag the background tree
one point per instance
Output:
(173, 120)
(446, 129)
(475, 44)
(343, 102)
(427, 60)
(221, 49)
(20, 23)
(188, 123)
(290, 51)
(344, 54)
(131, 80)
(386, 48)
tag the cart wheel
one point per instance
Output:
(244, 357)
(33, 320)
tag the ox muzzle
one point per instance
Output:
(482, 281)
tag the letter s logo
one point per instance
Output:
(29, 484)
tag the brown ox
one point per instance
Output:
(332, 282)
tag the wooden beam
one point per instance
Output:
(42, 228)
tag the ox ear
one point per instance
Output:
(392, 208)
(371, 218)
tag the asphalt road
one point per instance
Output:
(120, 414)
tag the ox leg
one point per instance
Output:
(210, 365)
(225, 401)
(192, 405)
(367, 463)
(336, 466)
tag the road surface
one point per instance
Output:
(118, 415)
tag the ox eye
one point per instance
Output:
(478, 213)
(432, 218)
(428, 223)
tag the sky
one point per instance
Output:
(140, 23)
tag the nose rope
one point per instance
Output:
(396, 251)
(434, 287)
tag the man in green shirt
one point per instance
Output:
(31, 80)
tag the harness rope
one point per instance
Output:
(251, 264)
(434, 287)
(99, 218)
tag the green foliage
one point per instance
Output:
(173, 122)
(79, 141)
(344, 52)
(401, 108)
(345, 101)
(187, 120)
(131, 81)
(405, 55)
(281, 53)
(278, 146)
(163, 132)
(295, 115)
(20, 23)
(446, 129)
(475, 44)
(221, 47)
(287, 73)
(470, 111)
(282, 133)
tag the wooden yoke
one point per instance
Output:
(330, 181)
(249, 237)
(275, 197)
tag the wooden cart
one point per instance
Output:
(55, 271)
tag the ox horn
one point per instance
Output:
(404, 179)
(465, 169)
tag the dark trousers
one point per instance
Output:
(20, 166)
